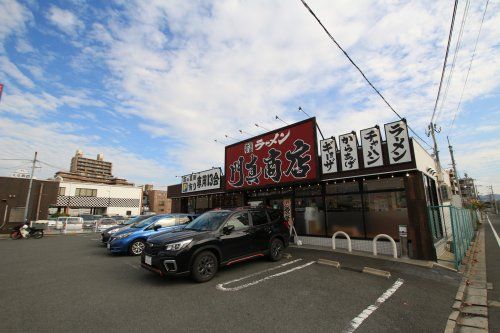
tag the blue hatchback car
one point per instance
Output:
(132, 240)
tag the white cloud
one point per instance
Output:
(36, 105)
(195, 71)
(13, 18)
(65, 20)
(10, 69)
(23, 46)
(56, 145)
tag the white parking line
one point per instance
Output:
(354, 324)
(494, 231)
(221, 286)
(133, 266)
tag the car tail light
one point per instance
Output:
(285, 223)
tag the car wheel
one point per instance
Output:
(276, 250)
(204, 267)
(137, 247)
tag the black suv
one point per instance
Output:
(217, 238)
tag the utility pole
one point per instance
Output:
(28, 197)
(454, 166)
(492, 196)
(432, 129)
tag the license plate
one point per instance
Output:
(147, 260)
(109, 246)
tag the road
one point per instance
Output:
(493, 270)
(71, 283)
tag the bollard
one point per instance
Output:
(349, 246)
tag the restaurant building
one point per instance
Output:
(364, 188)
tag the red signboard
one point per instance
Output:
(288, 154)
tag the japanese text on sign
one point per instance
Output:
(371, 141)
(398, 145)
(201, 181)
(285, 155)
(328, 156)
(349, 151)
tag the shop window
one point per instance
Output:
(384, 212)
(308, 190)
(347, 187)
(345, 213)
(202, 203)
(384, 184)
(309, 216)
(259, 217)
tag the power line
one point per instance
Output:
(468, 71)
(450, 34)
(50, 165)
(15, 167)
(15, 159)
(360, 71)
(455, 53)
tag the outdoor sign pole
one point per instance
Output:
(26, 208)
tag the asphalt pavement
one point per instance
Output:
(71, 283)
(493, 272)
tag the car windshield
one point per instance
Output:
(148, 221)
(108, 222)
(208, 221)
(134, 220)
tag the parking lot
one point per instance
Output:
(62, 283)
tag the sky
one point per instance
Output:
(152, 84)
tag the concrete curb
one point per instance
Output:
(377, 272)
(414, 262)
(326, 262)
(470, 312)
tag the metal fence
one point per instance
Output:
(459, 222)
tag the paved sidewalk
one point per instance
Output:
(470, 310)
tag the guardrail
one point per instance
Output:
(349, 246)
(394, 247)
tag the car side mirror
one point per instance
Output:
(156, 227)
(228, 229)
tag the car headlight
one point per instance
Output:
(124, 235)
(178, 246)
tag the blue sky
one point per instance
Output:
(152, 84)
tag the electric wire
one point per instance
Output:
(455, 54)
(50, 165)
(450, 34)
(15, 159)
(15, 167)
(361, 72)
(457, 111)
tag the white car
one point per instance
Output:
(106, 223)
(69, 224)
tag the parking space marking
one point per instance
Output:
(354, 324)
(133, 266)
(264, 271)
(246, 285)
